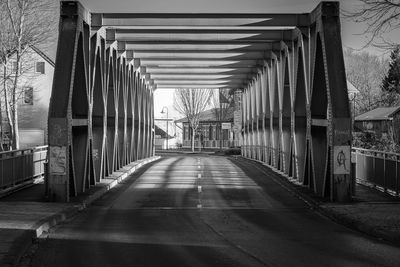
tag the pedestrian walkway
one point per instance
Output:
(26, 214)
(372, 212)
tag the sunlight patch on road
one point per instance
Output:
(147, 186)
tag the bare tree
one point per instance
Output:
(222, 101)
(190, 103)
(223, 107)
(23, 24)
(365, 71)
(381, 17)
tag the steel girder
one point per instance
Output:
(296, 112)
(101, 114)
(295, 107)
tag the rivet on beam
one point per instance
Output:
(142, 70)
(110, 35)
(136, 63)
(129, 55)
(96, 20)
(110, 39)
(74, 9)
(121, 46)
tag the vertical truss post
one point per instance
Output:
(100, 115)
(70, 136)
(306, 107)
(329, 56)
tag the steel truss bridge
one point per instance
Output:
(290, 68)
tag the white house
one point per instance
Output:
(35, 84)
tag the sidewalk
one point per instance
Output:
(371, 212)
(25, 214)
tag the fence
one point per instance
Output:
(213, 143)
(378, 168)
(18, 166)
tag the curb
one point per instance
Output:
(364, 228)
(361, 227)
(24, 242)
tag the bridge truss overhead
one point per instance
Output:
(289, 67)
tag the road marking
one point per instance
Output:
(199, 206)
(198, 167)
(199, 175)
(199, 188)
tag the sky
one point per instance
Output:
(351, 32)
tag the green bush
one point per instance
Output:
(369, 140)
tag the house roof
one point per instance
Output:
(351, 89)
(383, 113)
(210, 116)
(161, 132)
(43, 55)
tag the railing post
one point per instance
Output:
(354, 172)
(384, 172)
(374, 165)
(397, 175)
(2, 171)
(13, 170)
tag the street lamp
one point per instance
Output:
(162, 112)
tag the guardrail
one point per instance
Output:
(377, 168)
(18, 166)
(213, 143)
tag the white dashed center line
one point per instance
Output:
(199, 189)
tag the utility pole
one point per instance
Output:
(162, 112)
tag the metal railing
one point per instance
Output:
(18, 166)
(377, 168)
(213, 143)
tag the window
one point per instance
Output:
(40, 67)
(12, 67)
(186, 132)
(206, 131)
(28, 95)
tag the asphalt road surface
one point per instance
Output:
(206, 211)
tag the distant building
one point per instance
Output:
(352, 90)
(35, 84)
(380, 121)
(209, 131)
(160, 140)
